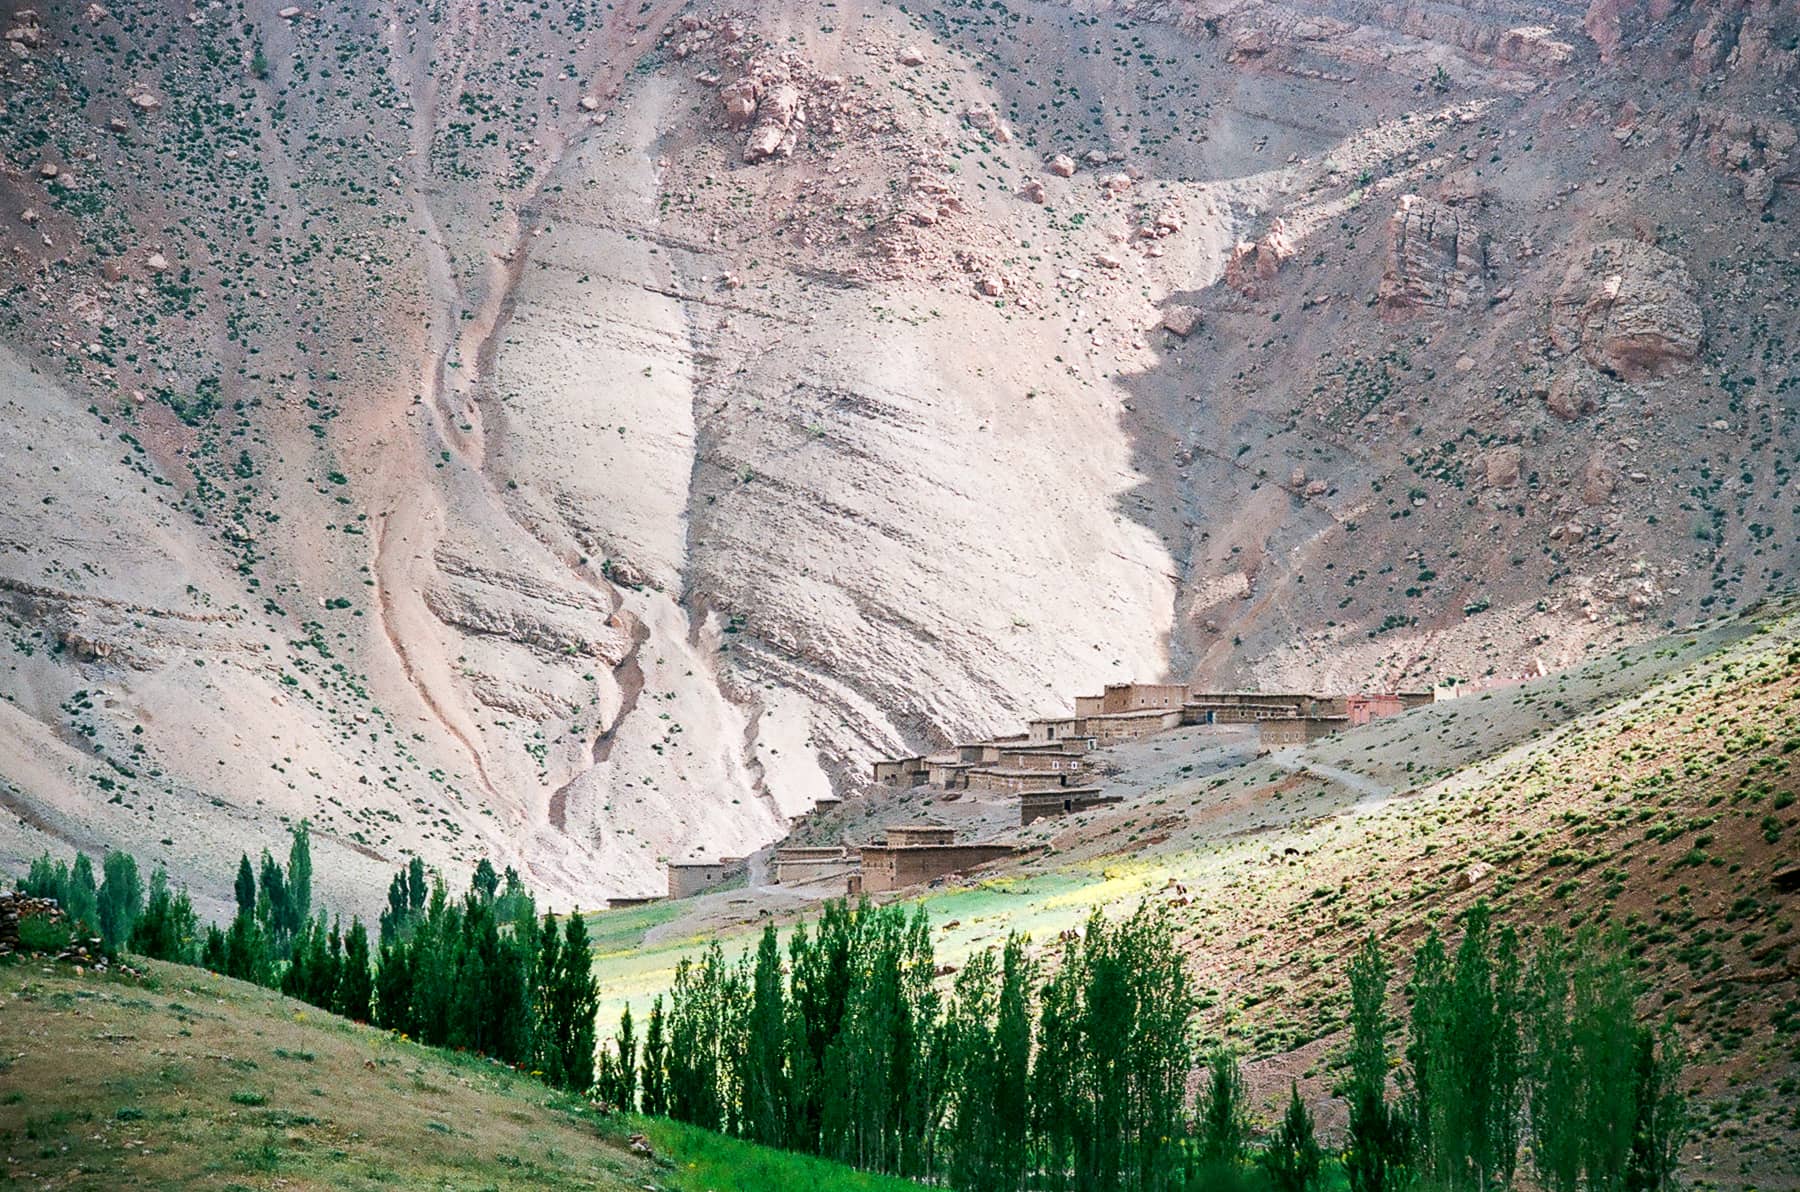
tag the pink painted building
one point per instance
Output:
(1367, 707)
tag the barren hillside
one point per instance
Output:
(584, 437)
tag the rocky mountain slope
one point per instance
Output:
(583, 439)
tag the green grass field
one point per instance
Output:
(712, 1161)
(965, 918)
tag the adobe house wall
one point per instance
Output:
(688, 878)
(1281, 733)
(1296, 730)
(1130, 726)
(1055, 763)
(797, 865)
(949, 775)
(900, 771)
(888, 868)
(910, 835)
(1034, 805)
(1363, 708)
(1141, 697)
(1246, 707)
(996, 779)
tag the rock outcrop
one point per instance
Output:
(1500, 467)
(1599, 478)
(1734, 37)
(1574, 392)
(1534, 46)
(778, 122)
(1757, 153)
(739, 100)
(1254, 264)
(1437, 258)
(1630, 309)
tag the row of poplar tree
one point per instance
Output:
(1076, 1077)
(482, 972)
(1015, 1077)
(115, 910)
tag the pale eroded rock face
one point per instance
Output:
(647, 496)
(1629, 309)
(1437, 258)
(1536, 46)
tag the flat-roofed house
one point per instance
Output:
(798, 865)
(687, 878)
(901, 771)
(1053, 728)
(1285, 732)
(1365, 707)
(885, 867)
(1131, 726)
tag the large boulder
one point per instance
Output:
(1574, 392)
(777, 119)
(1599, 479)
(983, 118)
(1253, 264)
(1180, 319)
(739, 98)
(1437, 258)
(1630, 309)
(1500, 467)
